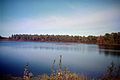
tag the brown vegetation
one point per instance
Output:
(107, 39)
(112, 73)
(60, 74)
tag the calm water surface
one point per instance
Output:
(85, 59)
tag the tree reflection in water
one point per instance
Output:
(113, 50)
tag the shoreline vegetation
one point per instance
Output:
(112, 73)
(48, 38)
(107, 39)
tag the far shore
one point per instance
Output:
(59, 42)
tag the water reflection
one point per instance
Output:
(113, 50)
(79, 58)
(111, 47)
(53, 46)
(57, 48)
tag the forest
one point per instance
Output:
(107, 39)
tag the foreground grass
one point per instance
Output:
(57, 76)
(112, 73)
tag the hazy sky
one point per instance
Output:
(71, 17)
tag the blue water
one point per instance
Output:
(85, 59)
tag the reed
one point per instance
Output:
(60, 74)
(112, 73)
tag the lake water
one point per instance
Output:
(87, 59)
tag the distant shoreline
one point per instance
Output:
(109, 39)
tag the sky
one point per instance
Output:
(59, 17)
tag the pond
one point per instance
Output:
(87, 59)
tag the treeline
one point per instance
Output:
(108, 38)
(54, 38)
(2, 37)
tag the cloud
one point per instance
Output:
(95, 20)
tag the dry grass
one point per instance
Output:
(55, 75)
(112, 73)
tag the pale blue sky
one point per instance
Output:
(71, 17)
